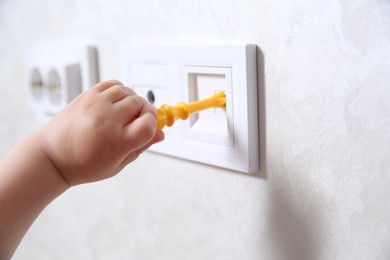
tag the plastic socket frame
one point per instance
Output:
(226, 138)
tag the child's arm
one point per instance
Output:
(93, 138)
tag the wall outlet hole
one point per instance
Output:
(54, 85)
(36, 84)
(150, 97)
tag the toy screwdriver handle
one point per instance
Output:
(168, 115)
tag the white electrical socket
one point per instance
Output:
(227, 137)
(57, 73)
(212, 125)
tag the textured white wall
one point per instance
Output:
(324, 187)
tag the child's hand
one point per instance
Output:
(99, 133)
(93, 138)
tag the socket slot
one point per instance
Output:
(36, 85)
(54, 87)
(211, 125)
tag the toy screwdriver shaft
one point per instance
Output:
(167, 115)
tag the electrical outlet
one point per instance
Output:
(57, 73)
(223, 137)
(212, 125)
(150, 81)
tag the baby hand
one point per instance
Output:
(100, 132)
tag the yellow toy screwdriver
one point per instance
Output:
(167, 115)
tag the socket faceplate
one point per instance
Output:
(226, 138)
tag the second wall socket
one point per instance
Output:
(57, 73)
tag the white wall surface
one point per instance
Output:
(324, 188)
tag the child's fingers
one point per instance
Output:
(106, 84)
(129, 108)
(142, 130)
(117, 92)
(158, 137)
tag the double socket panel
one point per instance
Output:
(226, 138)
(57, 73)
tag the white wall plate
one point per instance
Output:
(226, 138)
(57, 73)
